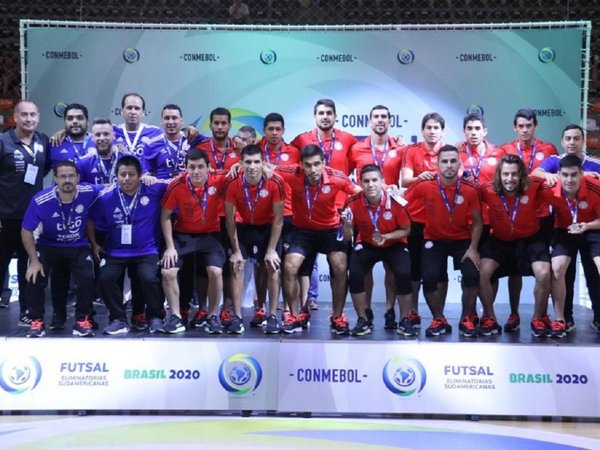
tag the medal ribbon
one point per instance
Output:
(533, 152)
(201, 202)
(213, 149)
(445, 197)
(128, 209)
(328, 153)
(251, 205)
(310, 204)
(512, 215)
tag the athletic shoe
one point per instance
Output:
(489, 326)
(57, 323)
(24, 320)
(312, 304)
(236, 325)
(138, 322)
(596, 325)
(513, 323)
(272, 326)
(538, 328)
(259, 319)
(212, 325)
(304, 319)
(339, 325)
(437, 326)
(370, 316)
(185, 313)
(406, 328)
(414, 319)
(390, 320)
(570, 324)
(199, 320)
(290, 323)
(225, 318)
(559, 329)
(83, 327)
(474, 318)
(117, 326)
(467, 327)
(361, 328)
(36, 329)
(548, 322)
(173, 325)
(448, 326)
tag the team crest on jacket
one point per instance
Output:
(144, 200)
(285, 157)
(338, 145)
(263, 193)
(539, 156)
(492, 161)
(212, 190)
(79, 208)
(392, 153)
(326, 189)
(583, 204)
(387, 215)
(524, 200)
(460, 199)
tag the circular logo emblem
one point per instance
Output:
(547, 55)
(20, 374)
(212, 190)
(492, 161)
(475, 109)
(387, 215)
(131, 55)
(524, 200)
(338, 146)
(428, 244)
(583, 204)
(539, 156)
(460, 199)
(393, 153)
(79, 209)
(404, 377)
(144, 200)
(59, 109)
(406, 56)
(263, 193)
(326, 189)
(285, 156)
(268, 57)
(240, 374)
(232, 155)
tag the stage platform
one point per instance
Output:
(309, 372)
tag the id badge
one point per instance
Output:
(126, 234)
(31, 174)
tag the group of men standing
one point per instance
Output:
(182, 214)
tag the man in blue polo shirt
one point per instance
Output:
(76, 143)
(572, 142)
(62, 210)
(100, 167)
(129, 211)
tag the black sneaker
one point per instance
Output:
(5, 298)
(24, 320)
(212, 325)
(406, 328)
(570, 324)
(370, 316)
(259, 319)
(236, 325)
(36, 329)
(138, 322)
(83, 327)
(272, 326)
(390, 320)
(559, 329)
(117, 326)
(312, 304)
(156, 325)
(200, 319)
(437, 326)
(467, 327)
(291, 324)
(339, 325)
(513, 323)
(57, 323)
(173, 325)
(414, 319)
(361, 328)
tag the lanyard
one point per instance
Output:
(375, 216)
(108, 174)
(66, 221)
(78, 152)
(131, 145)
(251, 205)
(572, 207)
(174, 151)
(533, 152)
(376, 160)
(445, 197)
(277, 154)
(128, 209)
(213, 149)
(476, 170)
(512, 215)
(201, 202)
(311, 204)
(328, 153)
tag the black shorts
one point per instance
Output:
(207, 247)
(516, 257)
(254, 240)
(310, 242)
(564, 243)
(435, 257)
(415, 248)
